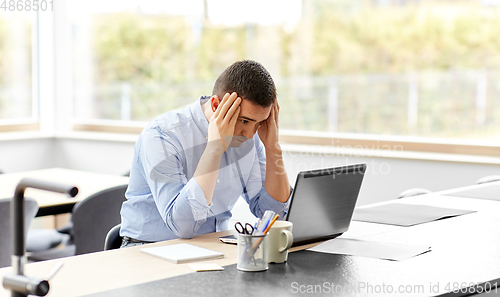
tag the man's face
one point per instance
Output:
(250, 118)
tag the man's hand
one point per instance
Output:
(222, 123)
(269, 130)
(220, 133)
(276, 182)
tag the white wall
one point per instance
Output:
(385, 177)
(111, 157)
(26, 154)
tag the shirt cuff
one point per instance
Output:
(268, 202)
(196, 200)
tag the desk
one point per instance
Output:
(50, 203)
(464, 249)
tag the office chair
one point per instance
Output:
(413, 192)
(113, 239)
(68, 228)
(488, 179)
(30, 210)
(92, 218)
(38, 240)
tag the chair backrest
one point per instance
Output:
(113, 239)
(30, 210)
(94, 217)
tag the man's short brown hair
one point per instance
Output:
(250, 80)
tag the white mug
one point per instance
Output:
(280, 240)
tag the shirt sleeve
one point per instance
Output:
(256, 195)
(180, 202)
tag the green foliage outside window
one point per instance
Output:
(369, 54)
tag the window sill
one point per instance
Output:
(23, 135)
(343, 145)
(19, 126)
(332, 152)
(354, 151)
(98, 136)
(392, 144)
(343, 140)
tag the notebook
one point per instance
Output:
(182, 253)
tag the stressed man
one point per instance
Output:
(191, 165)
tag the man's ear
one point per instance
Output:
(214, 102)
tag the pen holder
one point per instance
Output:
(252, 252)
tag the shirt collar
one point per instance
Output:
(199, 117)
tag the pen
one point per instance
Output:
(252, 251)
(266, 225)
(270, 224)
(266, 218)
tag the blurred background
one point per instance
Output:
(420, 68)
(409, 86)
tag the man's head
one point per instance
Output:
(250, 80)
(253, 83)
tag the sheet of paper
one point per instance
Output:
(403, 214)
(205, 266)
(371, 249)
(182, 253)
(490, 192)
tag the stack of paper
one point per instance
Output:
(182, 253)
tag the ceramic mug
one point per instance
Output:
(280, 240)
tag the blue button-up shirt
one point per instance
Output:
(164, 201)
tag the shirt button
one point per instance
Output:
(218, 180)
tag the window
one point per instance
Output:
(18, 93)
(403, 68)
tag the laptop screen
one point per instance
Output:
(323, 202)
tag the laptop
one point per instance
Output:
(323, 202)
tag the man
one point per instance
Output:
(191, 165)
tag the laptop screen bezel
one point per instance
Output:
(359, 167)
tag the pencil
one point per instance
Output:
(270, 224)
(256, 244)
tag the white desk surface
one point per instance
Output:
(88, 183)
(107, 270)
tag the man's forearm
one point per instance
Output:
(208, 169)
(276, 183)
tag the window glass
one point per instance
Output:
(410, 68)
(16, 88)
